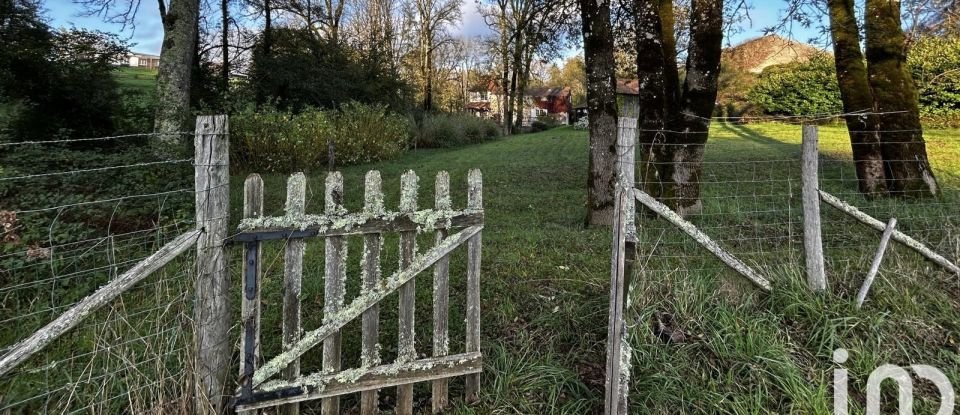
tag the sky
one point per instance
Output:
(147, 34)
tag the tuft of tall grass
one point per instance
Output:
(284, 142)
(453, 130)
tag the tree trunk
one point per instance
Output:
(698, 99)
(652, 69)
(512, 96)
(505, 73)
(857, 97)
(598, 44)
(904, 151)
(225, 53)
(525, 77)
(176, 64)
(676, 120)
(517, 84)
(427, 73)
(260, 97)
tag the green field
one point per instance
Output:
(136, 78)
(545, 279)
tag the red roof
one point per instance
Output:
(558, 92)
(478, 106)
(628, 86)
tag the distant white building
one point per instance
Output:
(143, 60)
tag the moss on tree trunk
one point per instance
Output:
(856, 97)
(602, 108)
(895, 97)
(676, 120)
(176, 64)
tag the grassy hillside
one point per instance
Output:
(136, 78)
(545, 280)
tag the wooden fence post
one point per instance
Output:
(812, 238)
(406, 348)
(293, 281)
(370, 264)
(212, 287)
(617, 382)
(627, 176)
(250, 298)
(334, 285)
(441, 295)
(474, 202)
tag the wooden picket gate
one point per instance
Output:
(258, 386)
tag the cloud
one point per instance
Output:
(472, 23)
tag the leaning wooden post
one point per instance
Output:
(897, 235)
(441, 294)
(812, 238)
(293, 281)
(877, 259)
(370, 264)
(406, 347)
(212, 287)
(475, 203)
(250, 298)
(334, 285)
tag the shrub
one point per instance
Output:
(798, 89)
(60, 81)
(538, 126)
(366, 133)
(543, 123)
(933, 62)
(453, 130)
(582, 124)
(280, 141)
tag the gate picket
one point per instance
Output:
(259, 386)
(293, 280)
(370, 266)
(334, 284)
(441, 294)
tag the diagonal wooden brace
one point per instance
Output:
(362, 303)
(703, 239)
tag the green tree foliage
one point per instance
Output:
(55, 84)
(798, 89)
(935, 64)
(26, 41)
(574, 75)
(811, 87)
(302, 70)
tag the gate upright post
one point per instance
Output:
(212, 284)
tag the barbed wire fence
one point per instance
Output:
(74, 214)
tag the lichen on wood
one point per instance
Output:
(362, 303)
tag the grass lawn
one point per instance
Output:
(136, 78)
(545, 281)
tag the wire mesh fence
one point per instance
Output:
(76, 214)
(750, 185)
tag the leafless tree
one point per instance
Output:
(430, 20)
